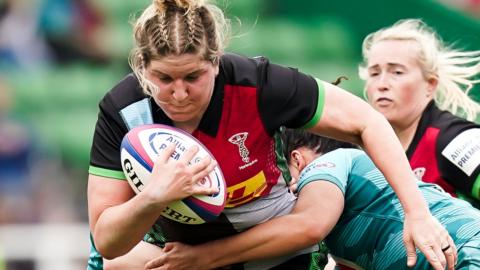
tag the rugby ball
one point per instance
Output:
(139, 149)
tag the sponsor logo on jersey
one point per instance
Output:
(464, 150)
(246, 191)
(419, 173)
(315, 166)
(239, 140)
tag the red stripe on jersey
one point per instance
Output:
(244, 150)
(425, 158)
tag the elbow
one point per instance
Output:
(106, 250)
(311, 232)
(109, 253)
(108, 256)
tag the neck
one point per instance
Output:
(188, 126)
(405, 133)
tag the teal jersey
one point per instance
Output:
(369, 232)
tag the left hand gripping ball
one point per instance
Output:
(139, 149)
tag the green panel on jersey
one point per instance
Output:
(281, 159)
(106, 173)
(321, 103)
(476, 188)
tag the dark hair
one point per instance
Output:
(295, 138)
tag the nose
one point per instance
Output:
(382, 82)
(179, 90)
(376, 84)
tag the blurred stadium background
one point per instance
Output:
(59, 57)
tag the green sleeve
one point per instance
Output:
(321, 102)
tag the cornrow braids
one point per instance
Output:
(190, 17)
(211, 35)
(160, 38)
(175, 27)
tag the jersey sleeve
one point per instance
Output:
(333, 167)
(288, 97)
(107, 138)
(458, 152)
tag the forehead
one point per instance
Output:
(393, 52)
(179, 64)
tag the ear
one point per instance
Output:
(297, 160)
(432, 86)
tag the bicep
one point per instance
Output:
(344, 115)
(103, 193)
(322, 202)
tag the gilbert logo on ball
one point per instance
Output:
(139, 149)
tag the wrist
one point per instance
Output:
(211, 258)
(151, 201)
(419, 211)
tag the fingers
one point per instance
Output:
(293, 185)
(158, 262)
(450, 254)
(199, 187)
(164, 155)
(168, 246)
(411, 252)
(155, 263)
(440, 261)
(189, 154)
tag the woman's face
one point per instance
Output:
(185, 86)
(395, 84)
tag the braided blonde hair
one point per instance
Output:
(176, 27)
(455, 70)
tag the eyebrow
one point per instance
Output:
(388, 65)
(194, 72)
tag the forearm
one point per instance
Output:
(341, 119)
(279, 237)
(318, 208)
(392, 161)
(120, 228)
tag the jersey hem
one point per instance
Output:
(321, 177)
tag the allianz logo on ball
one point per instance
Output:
(139, 149)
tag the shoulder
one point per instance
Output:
(241, 70)
(453, 127)
(125, 92)
(448, 122)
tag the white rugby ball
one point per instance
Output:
(139, 149)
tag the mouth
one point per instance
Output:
(383, 101)
(179, 106)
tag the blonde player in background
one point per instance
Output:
(418, 84)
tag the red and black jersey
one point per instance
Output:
(251, 100)
(445, 150)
